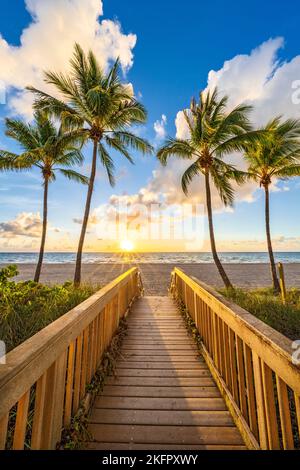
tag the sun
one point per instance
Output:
(126, 245)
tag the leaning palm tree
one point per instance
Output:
(213, 133)
(97, 106)
(276, 155)
(49, 148)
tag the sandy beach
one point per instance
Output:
(156, 277)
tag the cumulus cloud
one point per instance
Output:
(261, 80)
(49, 40)
(92, 220)
(160, 128)
(25, 224)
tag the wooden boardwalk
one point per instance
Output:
(163, 395)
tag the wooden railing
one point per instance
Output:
(251, 363)
(47, 375)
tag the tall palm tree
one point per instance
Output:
(276, 155)
(49, 148)
(213, 133)
(100, 108)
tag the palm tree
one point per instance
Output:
(49, 148)
(276, 155)
(213, 133)
(97, 106)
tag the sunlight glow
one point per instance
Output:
(126, 245)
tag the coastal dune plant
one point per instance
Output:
(97, 106)
(214, 133)
(28, 307)
(47, 146)
(275, 156)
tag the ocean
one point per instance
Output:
(156, 258)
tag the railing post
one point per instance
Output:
(282, 282)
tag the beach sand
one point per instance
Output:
(156, 277)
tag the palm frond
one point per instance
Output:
(223, 186)
(74, 176)
(192, 171)
(129, 139)
(177, 148)
(107, 163)
(116, 144)
(288, 171)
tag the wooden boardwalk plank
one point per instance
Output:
(166, 434)
(161, 394)
(162, 365)
(133, 446)
(164, 392)
(138, 403)
(161, 417)
(179, 357)
(162, 381)
(162, 373)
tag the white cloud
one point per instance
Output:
(182, 130)
(24, 233)
(25, 224)
(160, 128)
(48, 42)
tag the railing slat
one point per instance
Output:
(227, 357)
(297, 405)
(69, 384)
(250, 390)
(91, 351)
(260, 402)
(241, 377)
(37, 427)
(233, 367)
(3, 430)
(270, 408)
(84, 362)
(285, 414)
(21, 422)
(221, 347)
(77, 378)
(60, 380)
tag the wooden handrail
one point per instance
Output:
(251, 363)
(59, 362)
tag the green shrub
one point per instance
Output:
(27, 307)
(269, 308)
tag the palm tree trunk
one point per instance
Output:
(276, 284)
(77, 276)
(217, 261)
(44, 231)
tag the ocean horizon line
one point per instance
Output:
(236, 257)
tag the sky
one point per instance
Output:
(169, 51)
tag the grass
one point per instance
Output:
(269, 308)
(27, 307)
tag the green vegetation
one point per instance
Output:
(269, 308)
(27, 307)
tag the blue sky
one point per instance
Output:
(168, 49)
